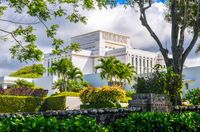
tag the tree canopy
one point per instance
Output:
(23, 33)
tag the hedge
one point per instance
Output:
(100, 105)
(136, 122)
(75, 94)
(51, 124)
(10, 104)
(54, 103)
(24, 92)
(158, 122)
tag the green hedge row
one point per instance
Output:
(136, 122)
(54, 103)
(9, 104)
(12, 104)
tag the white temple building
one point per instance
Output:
(95, 45)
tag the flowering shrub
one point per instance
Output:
(104, 94)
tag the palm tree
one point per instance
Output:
(67, 73)
(125, 73)
(108, 68)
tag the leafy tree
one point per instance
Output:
(23, 84)
(116, 72)
(69, 75)
(34, 71)
(108, 67)
(161, 81)
(183, 15)
(40, 12)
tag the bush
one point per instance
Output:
(10, 104)
(99, 95)
(194, 96)
(24, 92)
(129, 93)
(75, 94)
(34, 71)
(107, 104)
(54, 103)
(20, 83)
(158, 122)
(51, 124)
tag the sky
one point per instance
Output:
(117, 20)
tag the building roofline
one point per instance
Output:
(99, 31)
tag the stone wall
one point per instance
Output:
(150, 102)
(179, 109)
(103, 116)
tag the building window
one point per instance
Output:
(132, 60)
(147, 65)
(140, 64)
(136, 64)
(144, 65)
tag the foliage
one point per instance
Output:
(159, 122)
(126, 99)
(76, 94)
(101, 95)
(40, 12)
(20, 83)
(24, 92)
(155, 83)
(129, 93)
(34, 71)
(161, 82)
(10, 104)
(54, 103)
(113, 69)
(193, 96)
(69, 75)
(51, 124)
(134, 122)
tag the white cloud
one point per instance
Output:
(119, 20)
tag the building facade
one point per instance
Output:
(99, 44)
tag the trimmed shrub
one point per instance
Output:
(105, 97)
(24, 92)
(10, 104)
(194, 96)
(105, 94)
(51, 124)
(129, 93)
(54, 103)
(158, 122)
(75, 94)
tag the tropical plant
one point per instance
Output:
(34, 71)
(69, 75)
(107, 68)
(116, 72)
(161, 81)
(193, 96)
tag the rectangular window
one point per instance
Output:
(140, 64)
(144, 65)
(133, 61)
(136, 64)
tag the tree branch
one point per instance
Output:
(196, 30)
(13, 36)
(23, 23)
(144, 22)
